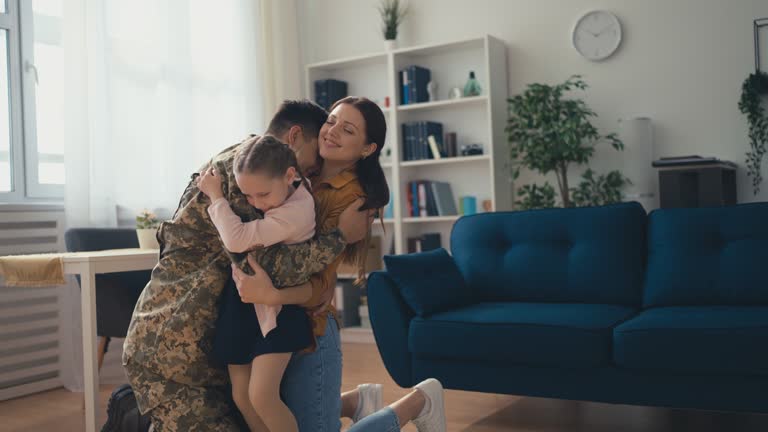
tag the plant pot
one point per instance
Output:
(147, 238)
(390, 44)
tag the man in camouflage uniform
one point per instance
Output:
(166, 351)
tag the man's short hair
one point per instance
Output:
(303, 112)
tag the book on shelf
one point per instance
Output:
(328, 91)
(413, 84)
(433, 147)
(416, 140)
(430, 198)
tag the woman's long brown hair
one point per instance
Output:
(369, 174)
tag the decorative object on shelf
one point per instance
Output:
(540, 140)
(455, 93)
(386, 101)
(472, 87)
(753, 93)
(392, 14)
(468, 205)
(432, 91)
(487, 205)
(597, 35)
(146, 230)
(471, 150)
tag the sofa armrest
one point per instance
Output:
(390, 319)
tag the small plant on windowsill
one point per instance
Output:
(146, 230)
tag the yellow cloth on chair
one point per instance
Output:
(32, 270)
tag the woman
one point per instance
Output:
(350, 143)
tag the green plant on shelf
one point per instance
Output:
(392, 15)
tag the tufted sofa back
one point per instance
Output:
(576, 255)
(707, 256)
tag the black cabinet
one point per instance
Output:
(697, 185)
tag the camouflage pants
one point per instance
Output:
(186, 407)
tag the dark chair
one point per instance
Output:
(116, 293)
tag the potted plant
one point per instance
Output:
(548, 133)
(146, 230)
(754, 89)
(392, 15)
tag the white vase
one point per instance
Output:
(390, 44)
(147, 238)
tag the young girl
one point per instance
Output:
(266, 171)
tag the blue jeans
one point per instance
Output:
(311, 384)
(311, 388)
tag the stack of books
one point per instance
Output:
(328, 91)
(416, 144)
(430, 198)
(413, 84)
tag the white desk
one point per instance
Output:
(87, 265)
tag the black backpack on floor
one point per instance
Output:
(123, 413)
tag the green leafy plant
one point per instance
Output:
(752, 91)
(601, 190)
(147, 220)
(548, 133)
(534, 196)
(392, 15)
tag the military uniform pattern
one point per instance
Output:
(166, 351)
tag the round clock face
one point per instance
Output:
(597, 35)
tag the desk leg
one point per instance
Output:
(90, 371)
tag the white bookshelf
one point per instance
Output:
(480, 119)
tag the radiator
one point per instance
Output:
(29, 317)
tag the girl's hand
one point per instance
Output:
(209, 183)
(256, 288)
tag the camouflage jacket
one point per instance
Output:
(171, 331)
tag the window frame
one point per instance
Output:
(25, 187)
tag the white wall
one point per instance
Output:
(681, 62)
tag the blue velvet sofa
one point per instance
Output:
(603, 304)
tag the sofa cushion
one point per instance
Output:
(583, 255)
(429, 281)
(707, 256)
(692, 339)
(536, 334)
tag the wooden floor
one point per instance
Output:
(60, 410)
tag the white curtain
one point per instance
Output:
(154, 88)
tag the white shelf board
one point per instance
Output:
(386, 164)
(438, 48)
(427, 219)
(349, 62)
(357, 335)
(443, 161)
(443, 103)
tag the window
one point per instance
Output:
(31, 65)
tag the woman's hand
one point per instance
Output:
(355, 223)
(256, 288)
(209, 183)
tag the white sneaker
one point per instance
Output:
(370, 400)
(432, 417)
